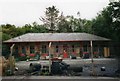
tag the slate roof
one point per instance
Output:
(44, 37)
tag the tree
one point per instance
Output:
(101, 26)
(107, 23)
(9, 29)
(71, 24)
(51, 18)
(5, 36)
(64, 25)
(115, 14)
(38, 28)
(27, 28)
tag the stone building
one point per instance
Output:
(62, 44)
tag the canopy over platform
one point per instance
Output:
(54, 37)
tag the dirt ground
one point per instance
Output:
(110, 65)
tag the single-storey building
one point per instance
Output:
(62, 44)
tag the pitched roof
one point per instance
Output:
(44, 37)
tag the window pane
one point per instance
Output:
(44, 49)
(32, 50)
(23, 50)
(57, 49)
(73, 48)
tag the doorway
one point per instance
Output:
(65, 51)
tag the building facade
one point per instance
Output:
(62, 45)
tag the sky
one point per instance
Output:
(21, 12)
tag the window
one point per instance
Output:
(23, 50)
(32, 49)
(73, 48)
(85, 48)
(44, 49)
(95, 49)
(65, 47)
(57, 49)
(16, 50)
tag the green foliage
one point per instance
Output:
(0, 36)
(64, 25)
(5, 50)
(115, 10)
(9, 29)
(101, 26)
(107, 23)
(51, 18)
(71, 24)
(5, 36)
(39, 28)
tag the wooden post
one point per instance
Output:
(11, 49)
(91, 44)
(50, 57)
(11, 58)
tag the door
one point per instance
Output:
(65, 51)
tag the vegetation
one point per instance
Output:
(106, 24)
(51, 18)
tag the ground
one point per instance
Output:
(58, 78)
(110, 65)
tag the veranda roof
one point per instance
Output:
(46, 37)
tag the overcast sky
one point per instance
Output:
(21, 12)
